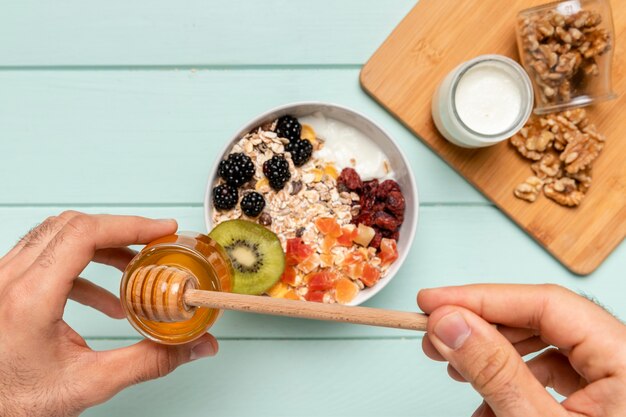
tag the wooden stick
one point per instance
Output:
(306, 310)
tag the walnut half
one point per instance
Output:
(550, 166)
(532, 140)
(564, 191)
(529, 189)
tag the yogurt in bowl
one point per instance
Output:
(336, 190)
(349, 147)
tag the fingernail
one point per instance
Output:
(203, 350)
(166, 220)
(452, 330)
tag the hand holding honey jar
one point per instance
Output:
(46, 368)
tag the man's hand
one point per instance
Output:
(46, 368)
(587, 363)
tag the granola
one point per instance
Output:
(314, 219)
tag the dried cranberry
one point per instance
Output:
(386, 221)
(390, 235)
(379, 206)
(375, 243)
(351, 179)
(369, 188)
(386, 187)
(366, 203)
(395, 203)
(378, 214)
(366, 218)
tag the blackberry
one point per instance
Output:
(277, 172)
(300, 150)
(225, 197)
(236, 170)
(288, 127)
(252, 204)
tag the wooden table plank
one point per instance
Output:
(300, 378)
(196, 33)
(81, 137)
(454, 245)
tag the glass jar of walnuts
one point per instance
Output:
(567, 49)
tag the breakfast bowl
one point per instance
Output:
(334, 187)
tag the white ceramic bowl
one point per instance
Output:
(403, 173)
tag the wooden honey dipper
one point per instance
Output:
(170, 294)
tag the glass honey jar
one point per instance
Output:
(192, 255)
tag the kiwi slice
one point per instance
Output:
(255, 252)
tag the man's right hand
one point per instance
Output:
(587, 363)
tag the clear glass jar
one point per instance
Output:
(567, 48)
(195, 254)
(483, 101)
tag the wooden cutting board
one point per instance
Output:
(435, 37)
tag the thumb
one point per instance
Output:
(490, 363)
(117, 369)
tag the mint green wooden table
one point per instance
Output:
(122, 106)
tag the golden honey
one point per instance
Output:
(196, 254)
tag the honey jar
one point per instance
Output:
(184, 254)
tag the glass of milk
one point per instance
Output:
(483, 102)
